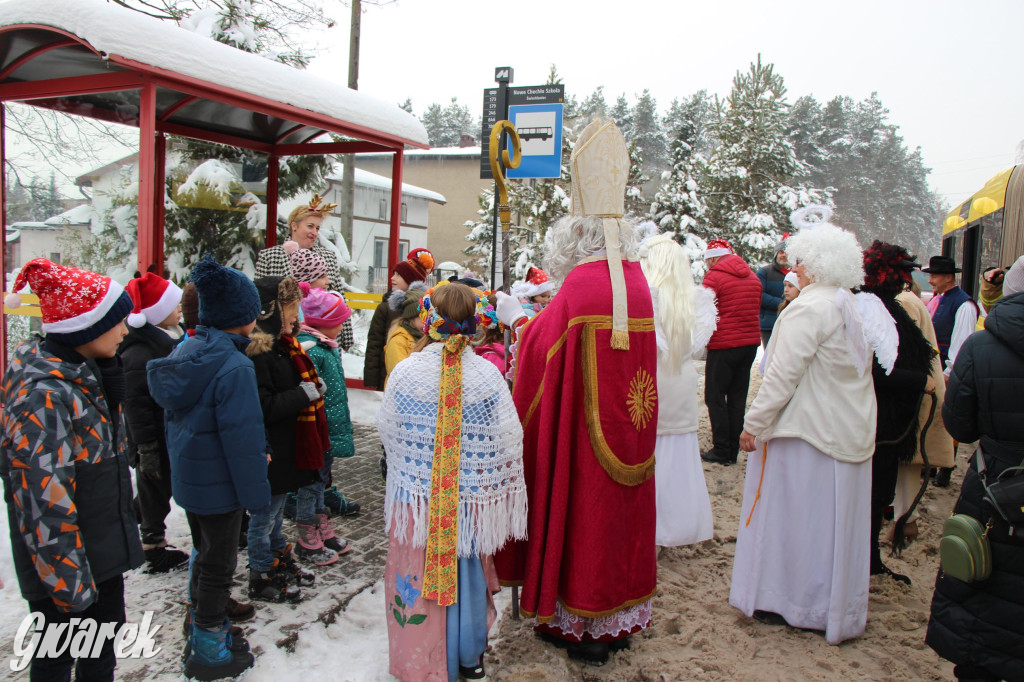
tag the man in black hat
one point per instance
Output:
(954, 316)
(953, 320)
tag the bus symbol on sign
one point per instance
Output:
(535, 133)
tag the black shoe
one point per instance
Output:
(475, 672)
(165, 559)
(942, 477)
(619, 644)
(290, 568)
(589, 652)
(769, 618)
(710, 456)
(882, 569)
(272, 586)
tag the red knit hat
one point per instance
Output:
(76, 304)
(417, 266)
(153, 299)
(718, 247)
(536, 283)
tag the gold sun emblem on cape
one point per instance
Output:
(641, 399)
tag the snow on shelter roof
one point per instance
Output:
(196, 78)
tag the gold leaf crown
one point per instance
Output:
(600, 169)
(314, 205)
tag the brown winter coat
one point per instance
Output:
(938, 443)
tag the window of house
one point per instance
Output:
(383, 209)
(380, 252)
(55, 258)
(405, 213)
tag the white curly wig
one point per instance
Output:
(830, 254)
(574, 237)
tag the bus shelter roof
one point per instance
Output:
(92, 58)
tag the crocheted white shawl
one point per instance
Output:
(492, 490)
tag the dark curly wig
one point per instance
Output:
(887, 269)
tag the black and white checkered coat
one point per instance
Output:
(274, 262)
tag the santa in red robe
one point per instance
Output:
(585, 389)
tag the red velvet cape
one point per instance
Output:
(589, 416)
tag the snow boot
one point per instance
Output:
(272, 585)
(237, 635)
(327, 536)
(337, 503)
(295, 574)
(311, 547)
(212, 658)
(163, 559)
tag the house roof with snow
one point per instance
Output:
(437, 152)
(368, 179)
(79, 215)
(47, 43)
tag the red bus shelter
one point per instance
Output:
(100, 60)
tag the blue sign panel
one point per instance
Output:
(540, 133)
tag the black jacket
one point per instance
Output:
(899, 393)
(982, 623)
(143, 416)
(282, 400)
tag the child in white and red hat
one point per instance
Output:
(154, 331)
(70, 503)
(534, 291)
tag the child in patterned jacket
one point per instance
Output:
(64, 463)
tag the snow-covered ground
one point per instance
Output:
(353, 647)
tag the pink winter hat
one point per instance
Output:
(322, 308)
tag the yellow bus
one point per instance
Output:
(987, 230)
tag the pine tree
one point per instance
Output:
(646, 132)
(406, 105)
(879, 186)
(623, 116)
(748, 191)
(593, 106)
(446, 125)
(678, 205)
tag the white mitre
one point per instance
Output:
(600, 169)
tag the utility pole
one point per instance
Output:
(348, 160)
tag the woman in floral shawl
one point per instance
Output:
(455, 492)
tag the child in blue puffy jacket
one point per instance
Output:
(218, 450)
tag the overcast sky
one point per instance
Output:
(950, 73)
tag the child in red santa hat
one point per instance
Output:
(66, 480)
(534, 292)
(154, 330)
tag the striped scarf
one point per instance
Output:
(311, 441)
(440, 574)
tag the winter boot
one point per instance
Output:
(311, 547)
(238, 640)
(326, 530)
(296, 574)
(239, 612)
(162, 559)
(272, 585)
(211, 657)
(336, 502)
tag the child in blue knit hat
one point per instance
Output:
(218, 450)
